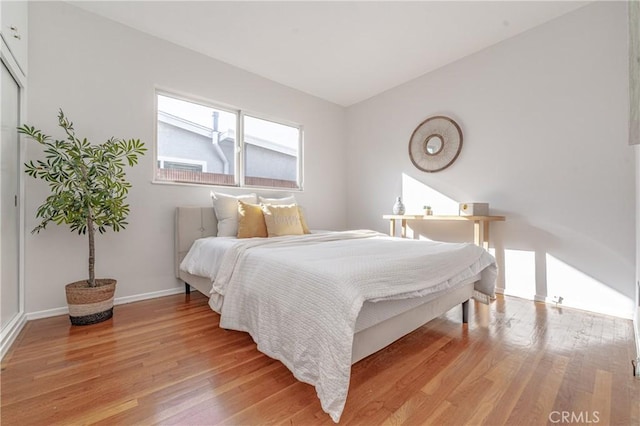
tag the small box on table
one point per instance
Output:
(474, 209)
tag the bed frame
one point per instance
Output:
(199, 222)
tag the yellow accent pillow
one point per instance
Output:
(282, 220)
(251, 221)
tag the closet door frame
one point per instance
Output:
(13, 328)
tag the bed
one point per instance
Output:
(379, 321)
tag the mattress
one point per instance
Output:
(373, 313)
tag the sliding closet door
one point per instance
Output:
(9, 183)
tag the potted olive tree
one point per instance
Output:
(88, 192)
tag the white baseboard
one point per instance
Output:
(47, 313)
(117, 301)
(614, 313)
(10, 333)
(626, 314)
(154, 294)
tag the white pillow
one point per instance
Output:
(278, 201)
(226, 208)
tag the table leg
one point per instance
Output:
(392, 227)
(478, 230)
(404, 228)
(485, 231)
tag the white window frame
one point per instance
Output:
(239, 168)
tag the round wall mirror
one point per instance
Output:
(433, 144)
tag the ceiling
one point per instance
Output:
(344, 52)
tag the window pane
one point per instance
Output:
(271, 153)
(195, 143)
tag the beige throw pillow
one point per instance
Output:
(287, 200)
(251, 221)
(282, 220)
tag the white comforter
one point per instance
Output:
(299, 297)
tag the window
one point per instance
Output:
(209, 144)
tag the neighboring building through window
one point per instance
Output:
(197, 143)
(182, 164)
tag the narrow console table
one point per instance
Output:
(480, 224)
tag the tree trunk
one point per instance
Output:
(92, 251)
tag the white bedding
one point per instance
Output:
(205, 256)
(299, 296)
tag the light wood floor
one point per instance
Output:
(166, 361)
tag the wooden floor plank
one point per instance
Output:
(601, 395)
(166, 361)
(500, 377)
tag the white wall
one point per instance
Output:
(544, 117)
(103, 75)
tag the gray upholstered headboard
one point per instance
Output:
(192, 223)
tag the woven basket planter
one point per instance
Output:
(90, 305)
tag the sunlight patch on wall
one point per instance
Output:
(520, 273)
(578, 290)
(416, 194)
